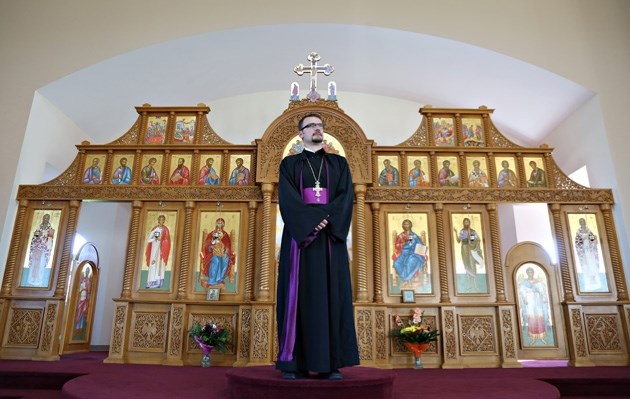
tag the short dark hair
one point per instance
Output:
(312, 114)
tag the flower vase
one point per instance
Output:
(205, 360)
(207, 350)
(417, 350)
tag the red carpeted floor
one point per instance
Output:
(86, 376)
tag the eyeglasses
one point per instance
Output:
(313, 125)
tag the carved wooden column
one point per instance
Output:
(198, 127)
(360, 244)
(118, 341)
(434, 169)
(487, 125)
(132, 245)
(615, 256)
(443, 267)
(508, 334)
(576, 336)
(450, 341)
(225, 166)
(166, 168)
(495, 237)
(177, 335)
(430, 130)
(522, 176)
(107, 170)
(492, 171)
(253, 170)
(48, 346)
(16, 238)
(550, 171)
(195, 163)
(251, 244)
(378, 267)
(262, 334)
(463, 170)
(267, 242)
(66, 252)
(459, 131)
(562, 254)
(137, 167)
(404, 169)
(184, 263)
(170, 131)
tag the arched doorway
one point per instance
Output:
(536, 295)
(80, 305)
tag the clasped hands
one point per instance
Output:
(321, 225)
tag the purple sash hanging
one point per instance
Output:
(287, 341)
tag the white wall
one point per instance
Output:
(507, 226)
(48, 137)
(533, 224)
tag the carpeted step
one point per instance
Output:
(34, 380)
(30, 394)
(591, 387)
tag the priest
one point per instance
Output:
(314, 303)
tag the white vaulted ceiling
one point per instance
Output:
(529, 101)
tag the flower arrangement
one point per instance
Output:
(416, 331)
(210, 334)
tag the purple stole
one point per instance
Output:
(287, 341)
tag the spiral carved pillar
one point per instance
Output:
(615, 256)
(166, 165)
(107, 172)
(267, 240)
(137, 166)
(360, 244)
(251, 244)
(492, 171)
(130, 262)
(378, 267)
(184, 263)
(66, 252)
(522, 177)
(196, 161)
(462, 164)
(18, 230)
(562, 254)
(458, 127)
(443, 267)
(495, 236)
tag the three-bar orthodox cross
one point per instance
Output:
(317, 189)
(313, 69)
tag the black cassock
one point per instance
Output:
(325, 337)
